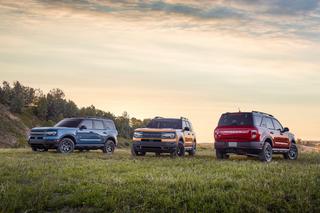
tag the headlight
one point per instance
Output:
(169, 135)
(137, 135)
(52, 133)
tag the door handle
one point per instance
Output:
(271, 133)
(104, 132)
(91, 132)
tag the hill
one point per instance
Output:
(13, 131)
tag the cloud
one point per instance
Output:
(264, 18)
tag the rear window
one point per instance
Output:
(109, 124)
(165, 123)
(236, 119)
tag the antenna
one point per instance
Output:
(239, 109)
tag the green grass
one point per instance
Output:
(95, 182)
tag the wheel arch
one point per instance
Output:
(112, 139)
(70, 137)
(268, 140)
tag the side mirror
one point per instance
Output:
(82, 127)
(286, 129)
(186, 129)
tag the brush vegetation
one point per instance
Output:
(95, 182)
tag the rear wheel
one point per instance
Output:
(34, 149)
(221, 155)
(109, 147)
(292, 153)
(157, 153)
(66, 146)
(266, 153)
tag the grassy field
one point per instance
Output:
(94, 182)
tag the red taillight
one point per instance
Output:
(255, 136)
(216, 134)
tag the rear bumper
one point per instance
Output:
(239, 147)
(46, 143)
(149, 146)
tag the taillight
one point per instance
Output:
(216, 134)
(255, 136)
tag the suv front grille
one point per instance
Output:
(151, 135)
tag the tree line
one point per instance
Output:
(53, 107)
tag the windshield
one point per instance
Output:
(236, 119)
(165, 123)
(72, 123)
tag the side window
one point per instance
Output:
(87, 123)
(184, 124)
(269, 123)
(109, 125)
(277, 125)
(189, 125)
(98, 124)
(257, 120)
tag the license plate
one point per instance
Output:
(232, 144)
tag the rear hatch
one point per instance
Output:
(236, 127)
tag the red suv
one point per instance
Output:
(253, 134)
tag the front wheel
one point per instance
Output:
(134, 152)
(66, 146)
(292, 154)
(192, 152)
(109, 147)
(266, 153)
(180, 150)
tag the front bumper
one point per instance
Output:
(150, 146)
(239, 147)
(49, 143)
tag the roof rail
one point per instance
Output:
(158, 117)
(96, 117)
(183, 118)
(263, 113)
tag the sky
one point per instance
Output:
(196, 59)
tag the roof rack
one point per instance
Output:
(183, 118)
(263, 113)
(158, 117)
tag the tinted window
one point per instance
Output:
(268, 123)
(87, 124)
(165, 123)
(236, 119)
(277, 125)
(98, 124)
(257, 120)
(189, 125)
(72, 123)
(109, 124)
(184, 124)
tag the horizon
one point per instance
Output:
(171, 58)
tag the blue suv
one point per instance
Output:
(75, 133)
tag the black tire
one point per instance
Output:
(35, 149)
(293, 153)
(134, 152)
(109, 147)
(180, 150)
(221, 155)
(266, 153)
(66, 146)
(192, 152)
(158, 154)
